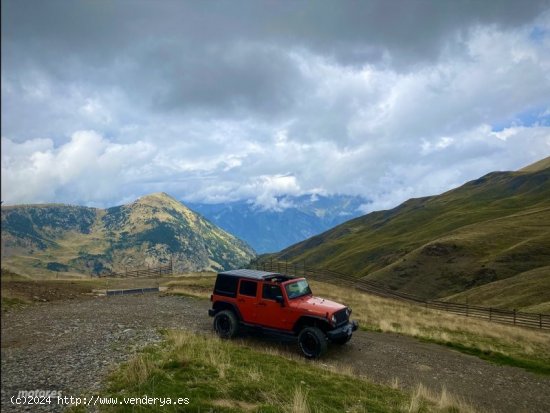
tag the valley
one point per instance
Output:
(291, 220)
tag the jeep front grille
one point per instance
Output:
(341, 317)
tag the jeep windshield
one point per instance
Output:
(297, 289)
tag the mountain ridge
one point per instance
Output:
(152, 230)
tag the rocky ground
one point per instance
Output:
(71, 345)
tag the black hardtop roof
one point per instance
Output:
(255, 274)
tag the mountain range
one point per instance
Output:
(485, 242)
(155, 229)
(296, 218)
(492, 232)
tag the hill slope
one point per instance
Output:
(491, 228)
(150, 231)
(518, 292)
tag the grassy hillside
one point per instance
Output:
(537, 166)
(518, 292)
(150, 231)
(489, 229)
(225, 376)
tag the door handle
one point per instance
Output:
(262, 303)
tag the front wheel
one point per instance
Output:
(226, 324)
(313, 342)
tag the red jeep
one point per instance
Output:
(278, 303)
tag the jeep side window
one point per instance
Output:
(271, 291)
(248, 288)
(226, 285)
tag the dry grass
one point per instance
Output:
(235, 404)
(198, 285)
(138, 369)
(399, 317)
(299, 401)
(283, 382)
(442, 401)
(395, 384)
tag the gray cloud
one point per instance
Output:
(104, 29)
(230, 100)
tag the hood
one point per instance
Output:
(316, 305)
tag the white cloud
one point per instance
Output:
(267, 188)
(476, 153)
(309, 123)
(88, 169)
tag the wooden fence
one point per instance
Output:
(513, 317)
(143, 272)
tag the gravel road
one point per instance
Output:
(72, 345)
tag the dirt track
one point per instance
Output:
(72, 345)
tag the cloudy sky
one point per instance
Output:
(213, 101)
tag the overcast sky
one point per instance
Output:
(213, 101)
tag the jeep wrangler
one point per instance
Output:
(278, 303)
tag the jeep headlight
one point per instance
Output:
(333, 319)
(348, 311)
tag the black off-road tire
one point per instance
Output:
(312, 342)
(226, 324)
(341, 341)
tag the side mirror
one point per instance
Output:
(280, 300)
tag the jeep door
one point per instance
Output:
(270, 312)
(247, 299)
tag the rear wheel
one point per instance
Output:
(226, 324)
(312, 342)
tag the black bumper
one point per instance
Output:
(343, 331)
(211, 312)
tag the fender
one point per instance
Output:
(311, 320)
(224, 305)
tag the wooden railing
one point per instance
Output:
(513, 317)
(143, 272)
